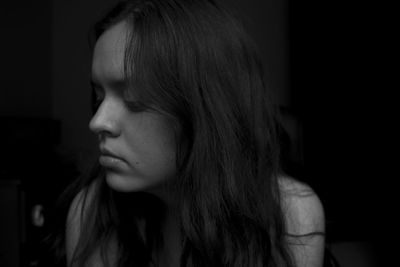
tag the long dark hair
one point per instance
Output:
(192, 60)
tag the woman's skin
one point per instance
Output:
(143, 159)
(143, 142)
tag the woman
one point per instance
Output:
(188, 171)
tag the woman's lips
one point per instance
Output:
(112, 162)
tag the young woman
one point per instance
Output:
(188, 172)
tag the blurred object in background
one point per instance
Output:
(32, 175)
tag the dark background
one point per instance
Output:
(318, 60)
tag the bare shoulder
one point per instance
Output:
(303, 210)
(305, 222)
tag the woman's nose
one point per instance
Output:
(105, 120)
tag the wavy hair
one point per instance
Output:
(193, 61)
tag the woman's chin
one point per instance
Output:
(123, 183)
(128, 183)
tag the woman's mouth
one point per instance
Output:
(111, 162)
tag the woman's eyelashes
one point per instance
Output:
(132, 103)
(135, 106)
(98, 96)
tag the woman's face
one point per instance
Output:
(137, 147)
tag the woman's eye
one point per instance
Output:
(132, 102)
(135, 106)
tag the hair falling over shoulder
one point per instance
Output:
(194, 62)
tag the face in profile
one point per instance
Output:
(137, 147)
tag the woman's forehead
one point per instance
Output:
(109, 53)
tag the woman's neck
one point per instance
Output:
(170, 251)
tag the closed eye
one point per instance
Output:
(135, 106)
(98, 95)
(132, 102)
